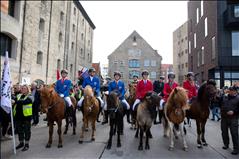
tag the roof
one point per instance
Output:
(85, 15)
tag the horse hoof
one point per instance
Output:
(136, 136)
(199, 146)
(108, 147)
(204, 144)
(92, 139)
(147, 147)
(48, 145)
(60, 146)
(185, 149)
(65, 133)
(80, 141)
(170, 148)
(176, 137)
(119, 145)
(140, 148)
(86, 129)
(165, 136)
(73, 133)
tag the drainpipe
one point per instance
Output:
(65, 48)
(48, 45)
(74, 76)
(21, 52)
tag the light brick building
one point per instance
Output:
(43, 36)
(132, 57)
(180, 52)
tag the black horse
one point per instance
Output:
(116, 115)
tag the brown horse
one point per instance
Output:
(175, 113)
(146, 112)
(131, 99)
(91, 109)
(199, 109)
(54, 106)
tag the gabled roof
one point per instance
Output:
(135, 34)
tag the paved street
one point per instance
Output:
(159, 144)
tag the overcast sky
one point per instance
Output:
(155, 21)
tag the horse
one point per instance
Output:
(54, 106)
(131, 99)
(199, 109)
(116, 115)
(90, 112)
(175, 112)
(146, 112)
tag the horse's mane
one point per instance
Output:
(178, 96)
(112, 100)
(201, 91)
(88, 91)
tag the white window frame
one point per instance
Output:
(202, 55)
(197, 14)
(205, 27)
(189, 47)
(213, 47)
(146, 63)
(153, 63)
(153, 75)
(195, 40)
(202, 8)
(235, 44)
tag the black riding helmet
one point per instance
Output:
(64, 71)
(171, 75)
(190, 74)
(92, 69)
(161, 77)
(145, 72)
(135, 76)
(117, 73)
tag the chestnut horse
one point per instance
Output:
(91, 109)
(116, 114)
(54, 106)
(131, 99)
(199, 109)
(175, 113)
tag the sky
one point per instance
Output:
(155, 21)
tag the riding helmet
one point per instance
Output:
(171, 75)
(117, 73)
(145, 72)
(190, 74)
(64, 71)
(161, 77)
(92, 69)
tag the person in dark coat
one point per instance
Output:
(158, 86)
(229, 119)
(36, 103)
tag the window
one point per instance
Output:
(39, 57)
(153, 75)
(179, 67)
(83, 21)
(201, 8)
(88, 56)
(133, 72)
(71, 69)
(7, 7)
(88, 42)
(182, 66)
(213, 48)
(189, 47)
(186, 51)
(235, 74)
(61, 17)
(6, 45)
(74, 11)
(82, 36)
(236, 11)
(72, 47)
(60, 37)
(182, 40)
(146, 63)
(205, 27)
(182, 53)
(197, 15)
(73, 27)
(202, 55)
(227, 74)
(58, 64)
(186, 38)
(42, 25)
(134, 63)
(153, 63)
(186, 65)
(122, 63)
(122, 74)
(195, 40)
(235, 43)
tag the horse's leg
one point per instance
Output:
(82, 131)
(147, 147)
(50, 134)
(59, 123)
(67, 124)
(137, 133)
(166, 126)
(93, 129)
(203, 133)
(181, 127)
(141, 139)
(119, 130)
(110, 135)
(171, 146)
(74, 122)
(87, 125)
(198, 123)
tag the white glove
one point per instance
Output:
(62, 95)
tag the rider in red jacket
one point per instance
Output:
(168, 87)
(190, 86)
(143, 86)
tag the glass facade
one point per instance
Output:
(235, 43)
(236, 11)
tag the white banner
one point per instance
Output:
(6, 86)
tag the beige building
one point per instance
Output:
(180, 52)
(132, 57)
(43, 36)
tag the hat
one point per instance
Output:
(92, 69)
(161, 77)
(171, 75)
(136, 76)
(145, 72)
(117, 73)
(190, 74)
(64, 71)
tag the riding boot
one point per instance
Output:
(105, 117)
(128, 116)
(160, 116)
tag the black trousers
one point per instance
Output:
(232, 125)
(35, 115)
(24, 130)
(6, 119)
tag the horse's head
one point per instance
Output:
(211, 89)
(178, 98)
(88, 91)
(46, 98)
(132, 89)
(151, 100)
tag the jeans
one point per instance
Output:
(215, 112)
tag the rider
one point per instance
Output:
(168, 87)
(190, 86)
(158, 88)
(143, 86)
(118, 86)
(63, 87)
(94, 82)
(135, 79)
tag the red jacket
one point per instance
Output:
(191, 88)
(167, 90)
(142, 88)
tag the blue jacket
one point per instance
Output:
(119, 88)
(95, 84)
(63, 88)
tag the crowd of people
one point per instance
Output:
(26, 103)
